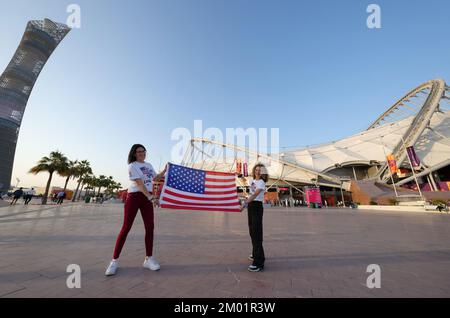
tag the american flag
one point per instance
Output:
(193, 189)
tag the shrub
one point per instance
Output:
(392, 201)
(372, 202)
(438, 201)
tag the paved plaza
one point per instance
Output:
(309, 253)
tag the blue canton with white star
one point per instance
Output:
(186, 179)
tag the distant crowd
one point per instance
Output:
(28, 194)
(287, 203)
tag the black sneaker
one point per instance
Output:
(254, 268)
(250, 257)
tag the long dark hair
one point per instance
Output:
(132, 154)
(264, 175)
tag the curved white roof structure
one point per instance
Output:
(433, 146)
(421, 119)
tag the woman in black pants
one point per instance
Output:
(255, 216)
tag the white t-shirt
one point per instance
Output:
(144, 171)
(258, 184)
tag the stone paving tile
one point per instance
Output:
(16, 274)
(9, 288)
(309, 253)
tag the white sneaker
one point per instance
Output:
(151, 263)
(112, 268)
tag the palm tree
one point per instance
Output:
(83, 168)
(88, 188)
(93, 183)
(55, 162)
(109, 182)
(83, 181)
(69, 171)
(113, 187)
(101, 182)
(117, 187)
(88, 181)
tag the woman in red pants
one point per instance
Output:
(139, 197)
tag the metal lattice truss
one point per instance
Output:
(216, 156)
(421, 118)
(434, 92)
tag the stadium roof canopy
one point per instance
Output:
(421, 119)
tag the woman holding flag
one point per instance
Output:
(139, 197)
(255, 215)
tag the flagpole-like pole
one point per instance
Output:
(390, 171)
(412, 169)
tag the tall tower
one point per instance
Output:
(40, 39)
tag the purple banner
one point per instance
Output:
(415, 161)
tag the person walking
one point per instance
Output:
(255, 216)
(29, 195)
(60, 196)
(17, 195)
(139, 197)
(25, 197)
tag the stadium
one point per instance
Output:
(356, 168)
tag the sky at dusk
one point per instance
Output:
(137, 70)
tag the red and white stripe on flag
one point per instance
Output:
(193, 189)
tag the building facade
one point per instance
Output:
(40, 39)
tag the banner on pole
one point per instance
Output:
(392, 163)
(245, 169)
(238, 167)
(415, 161)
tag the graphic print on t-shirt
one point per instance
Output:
(253, 187)
(143, 171)
(257, 184)
(148, 176)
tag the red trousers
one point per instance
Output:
(134, 202)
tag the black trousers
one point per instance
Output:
(255, 226)
(14, 200)
(28, 198)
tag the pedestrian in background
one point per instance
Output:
(17, 195)
(29, 196)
